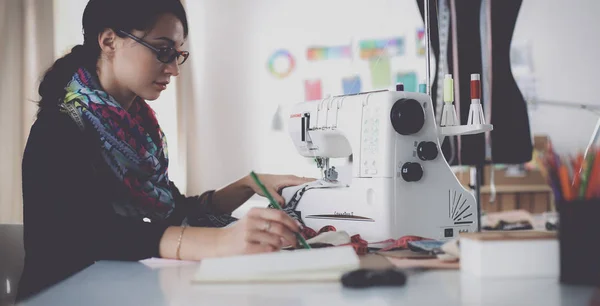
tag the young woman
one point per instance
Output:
(95, 179)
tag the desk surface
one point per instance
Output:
(133, 283)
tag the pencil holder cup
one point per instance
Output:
(579, 238)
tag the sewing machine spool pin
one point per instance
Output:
(305, 122)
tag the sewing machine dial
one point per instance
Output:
(412, 172)
(427, 150)
(407, 116)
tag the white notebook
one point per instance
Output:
(323, 264)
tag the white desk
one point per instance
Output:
(132, 283)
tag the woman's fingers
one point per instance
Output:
(262, 237)
(293, 180)
(255, 248)
(274, 215)
(277, 229)
(277, 197)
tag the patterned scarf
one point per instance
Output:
(132, 144)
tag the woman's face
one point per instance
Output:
(137, 68)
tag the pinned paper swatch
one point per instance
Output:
(381, 75)
(351, 85)
(281, 63)
(420, 42)
(328, 53)
(312, 90)
(374, 48)
(409, 80)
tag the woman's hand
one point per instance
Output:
(261, 230)
(274, 183)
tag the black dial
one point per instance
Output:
(407, 116)
(412, 172)
(427, 150)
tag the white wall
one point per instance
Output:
(565, 47)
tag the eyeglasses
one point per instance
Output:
(164, 55)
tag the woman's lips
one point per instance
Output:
(161, 85)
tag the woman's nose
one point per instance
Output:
(172, 68)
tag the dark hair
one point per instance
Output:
(126, 15)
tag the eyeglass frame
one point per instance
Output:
(178, 53)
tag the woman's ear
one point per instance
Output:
(107, 41)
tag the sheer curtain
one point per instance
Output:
(26, 29)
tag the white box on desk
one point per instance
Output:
(510, 254)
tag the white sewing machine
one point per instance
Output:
(400, 183)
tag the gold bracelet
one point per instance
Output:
(179, 242)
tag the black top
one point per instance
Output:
(69, 222)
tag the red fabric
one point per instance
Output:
(360, 245)
(403, 242)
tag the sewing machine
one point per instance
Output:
(400, 182)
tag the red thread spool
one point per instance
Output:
(475, 86)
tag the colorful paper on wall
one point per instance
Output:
(312, 90)
(351, 85)
(381, 47)
(328, 53)
(381, 75)
(409, 80)
(281, 63)
(420, 42)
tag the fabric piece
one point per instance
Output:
(381, 73)
(132, 143)
(360, 245)
(426, 245)
(452, 247)
(402, 243)
(296, 192)
(331, 237)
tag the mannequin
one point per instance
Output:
(511, 138)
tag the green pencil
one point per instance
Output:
(276, 205)
(588, 164)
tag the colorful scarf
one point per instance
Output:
(132, 144)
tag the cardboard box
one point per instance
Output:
(541, 142)
(501, 177)
(532, 198)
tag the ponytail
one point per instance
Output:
(52, 88)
